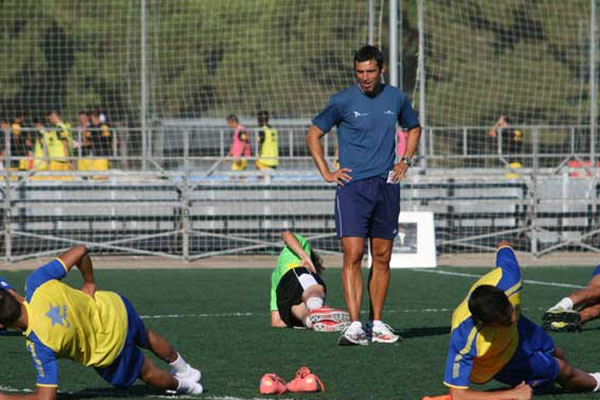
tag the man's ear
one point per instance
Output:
(383, 68)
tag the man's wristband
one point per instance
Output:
(408, 161)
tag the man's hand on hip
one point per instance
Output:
(340, 176)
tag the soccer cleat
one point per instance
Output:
(596, 376)
(272, 384)
(382, 333)
(189, 387)
(192, 374)
(330, 326)
(305, 381)
(353, 335)
(327, 319)
(326, 313)
(561, 320)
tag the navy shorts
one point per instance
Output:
(126, 368)
(368, 208)
(533, 361)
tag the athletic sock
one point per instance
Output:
(377, 322)
(355, 325)
(566, 304)
(314, 302)
(179, 365)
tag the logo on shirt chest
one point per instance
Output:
(358, 114)
(58, 315)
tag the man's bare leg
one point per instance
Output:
(352, 280)
(379, 276)
(575, 379)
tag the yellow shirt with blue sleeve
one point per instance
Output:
(64, 322)
(475, 353)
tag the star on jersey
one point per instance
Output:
(56, 317)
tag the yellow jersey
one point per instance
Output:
(64, 322)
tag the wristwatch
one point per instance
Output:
(408, 161)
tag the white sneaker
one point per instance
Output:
(382, 333)
(596, 376)
(192, 374)
(353, 335)
(189, 387)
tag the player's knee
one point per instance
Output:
(313, 291)
(382, 257)
(565, 371)
(355, 256)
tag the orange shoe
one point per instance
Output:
(305, 381)
(272, 384)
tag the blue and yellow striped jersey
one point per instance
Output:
(64, 322)
(475, 353)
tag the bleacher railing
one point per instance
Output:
(176, 196)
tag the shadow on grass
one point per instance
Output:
(421, 332)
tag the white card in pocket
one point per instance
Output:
(390, 178)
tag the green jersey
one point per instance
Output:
(286, 261)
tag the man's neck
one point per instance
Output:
(376, 90)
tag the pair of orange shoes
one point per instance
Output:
(304, 381)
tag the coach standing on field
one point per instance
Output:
(367, 200)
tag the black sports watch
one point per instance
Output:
(408, 161)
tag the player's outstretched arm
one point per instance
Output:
(41, 393)
(290, 240)
(78, 256)
(520, 392)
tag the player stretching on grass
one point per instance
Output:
(98, 329)
(367, 200)
(491, 340)
(564, 317)
(297, 290)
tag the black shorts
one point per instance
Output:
(289, 293)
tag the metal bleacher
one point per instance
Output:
(169, 218)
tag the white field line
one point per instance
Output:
(92, 392)
(407, 311)
(528, 281)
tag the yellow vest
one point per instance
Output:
(269, 151)
(54, 144)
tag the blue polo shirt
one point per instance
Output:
(366, 128)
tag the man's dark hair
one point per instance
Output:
(317, 261)
(489, 305)
(263, 114)
(10, 308)
(367, 53)
(232, 117)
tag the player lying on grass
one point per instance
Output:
(98, 329)
(491, 340)
(298, 292)
(564, 317)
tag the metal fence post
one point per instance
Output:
(185, 198)
(535, 195)
(593, 82)
(7, 199)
